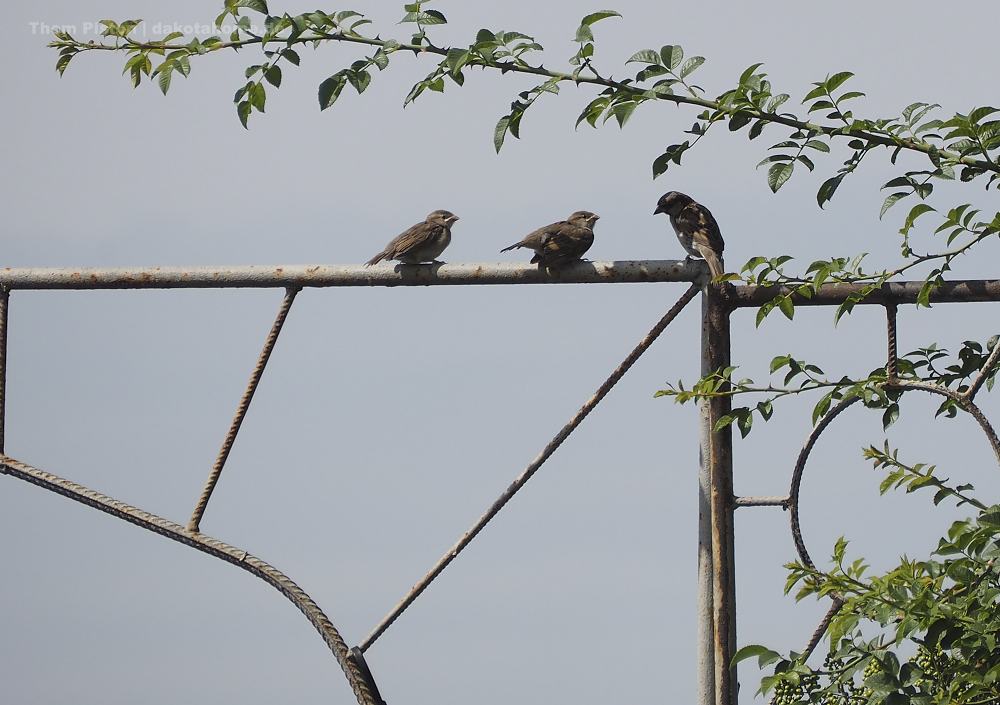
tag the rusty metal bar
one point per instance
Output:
(984, 374)
(892, 357)
(241, 411)
(523, 478)
(4, 309)
(218, 549)
(761, 501)
(717, 472)
(302, 276)
(705, 638)
(893, 292)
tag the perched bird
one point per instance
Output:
(421, 243)
(562, 242)
(695, 227)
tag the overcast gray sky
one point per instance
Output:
(389, 420)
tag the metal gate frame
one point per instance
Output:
(716, 644)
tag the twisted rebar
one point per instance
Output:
(241, 411)
(365, 693)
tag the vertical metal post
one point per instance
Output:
(706, 620)
(717, 683)
(4, 306)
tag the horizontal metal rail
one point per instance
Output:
(303, 276)
(903, 292)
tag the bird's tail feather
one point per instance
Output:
(377, 258)
(512, 247)
(714, 263)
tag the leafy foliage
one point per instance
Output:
(876, 391)
(947, 606)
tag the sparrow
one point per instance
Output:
(421, 243)
(695, 227)
(560, 243)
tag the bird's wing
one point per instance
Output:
(696, 220)
(564, 242)
(413, 238)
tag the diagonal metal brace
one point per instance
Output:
(523, 478)
(241, 412)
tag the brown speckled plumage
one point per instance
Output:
(560, 243)
(423, 242)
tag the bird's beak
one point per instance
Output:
(453, 218)
(658, 210)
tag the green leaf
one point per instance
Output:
(273, 76)
(257, 5)
(360, 80)
(500, 131)
(757, 128)
(979, 113)
(828, 188)
(691, 64)
(890, 201)
(345, 14)
(243, 111)
(915, 212)
(163, 80)
(765, 656)
(672, 56)
(738, 121)
(834, 82)
(763, 311)
(786, 306)
(744, 421)
(924, 296)
(330, 89)
(776, 102)
(423, 17)
(817, 92)
(890, 416)
(598, 16)
(778, 174)
(747, 74)
(623, 111)
(258, 96)
(673, 154)
(646, 56)
(584, 34)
